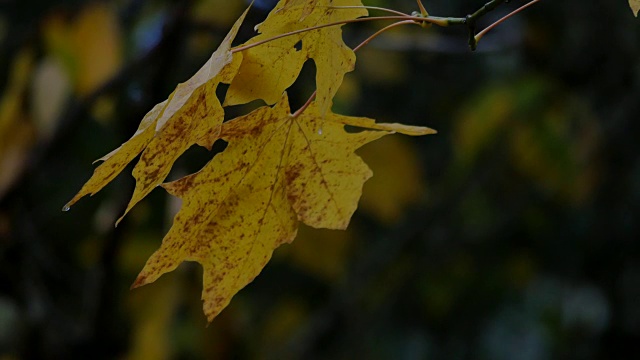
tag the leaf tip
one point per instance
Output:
(416, 130)
(140, 281)
(129, 207)
(68, 205)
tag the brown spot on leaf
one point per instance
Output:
(292, 173)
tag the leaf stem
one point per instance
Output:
(479, 35)
(391, 11)
(415, 19)
(305, 106)
(423, 11)
(377, 33)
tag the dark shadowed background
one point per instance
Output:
(511, 234)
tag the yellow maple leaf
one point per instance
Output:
(191, 115)
(276, 170)
(635, 6)
(267, 70)
(89, 47)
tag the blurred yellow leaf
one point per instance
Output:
(90, 47)
(557, 155)
(16, 131)
(50, 88)
(152, 312)
(215, 13)
(394, 162)
(218, 12)
(480, 123)
(321, 252)
(348, 94)
(548, 139)
(97, 37)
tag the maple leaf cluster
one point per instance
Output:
(278, 169)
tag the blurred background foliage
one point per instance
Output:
(512, 234)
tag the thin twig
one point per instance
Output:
(479, 36)
(469, 21)
(391, 11)
(367, 40)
